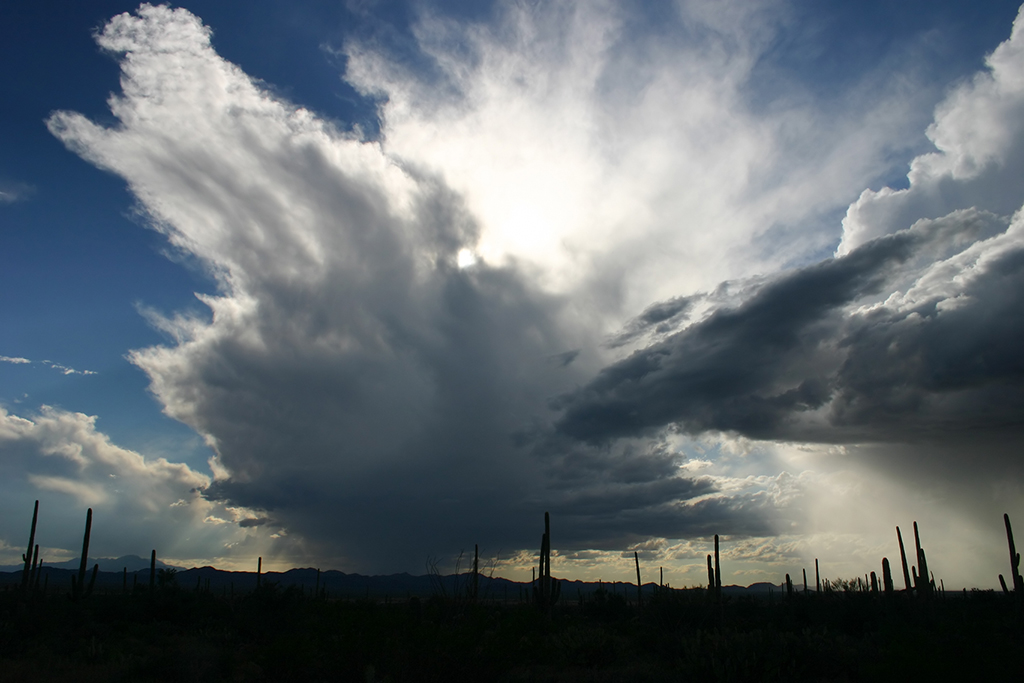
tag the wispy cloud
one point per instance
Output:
(63, 369)
(11, 191)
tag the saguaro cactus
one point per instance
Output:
(78, 587)
(1018, 582)
(475, 587)
(718, 572)
(887, 576)
(903, 558)
(548, 589)
(925, 588)
(32, 540)
(639, 590)
(35, 568)
(711, 577)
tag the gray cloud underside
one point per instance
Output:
(804, 358)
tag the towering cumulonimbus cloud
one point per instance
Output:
(403, 352)
(355, 383)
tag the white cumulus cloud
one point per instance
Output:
(139, 504)
(978, 133)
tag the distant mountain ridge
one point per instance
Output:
(133, 563)
(340, 584)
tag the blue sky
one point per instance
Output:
(657, 267)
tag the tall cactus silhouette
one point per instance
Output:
(718, 572)
(547, 590)
(903, 559)
(78, 587)
(924, 587)
(887, 576)
(639, 589)
(31, 542)
(34, 572)
(1018, 581)
(474, 588)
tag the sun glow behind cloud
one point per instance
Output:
(579, 145)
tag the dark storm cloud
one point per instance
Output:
(564, 359)
(624, 516)
(799, 361)
(660, 317)
(615, 495)
(254, 521)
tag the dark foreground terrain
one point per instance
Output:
(274, 634)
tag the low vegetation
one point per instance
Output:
(164, 629)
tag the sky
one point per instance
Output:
(360, 284)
